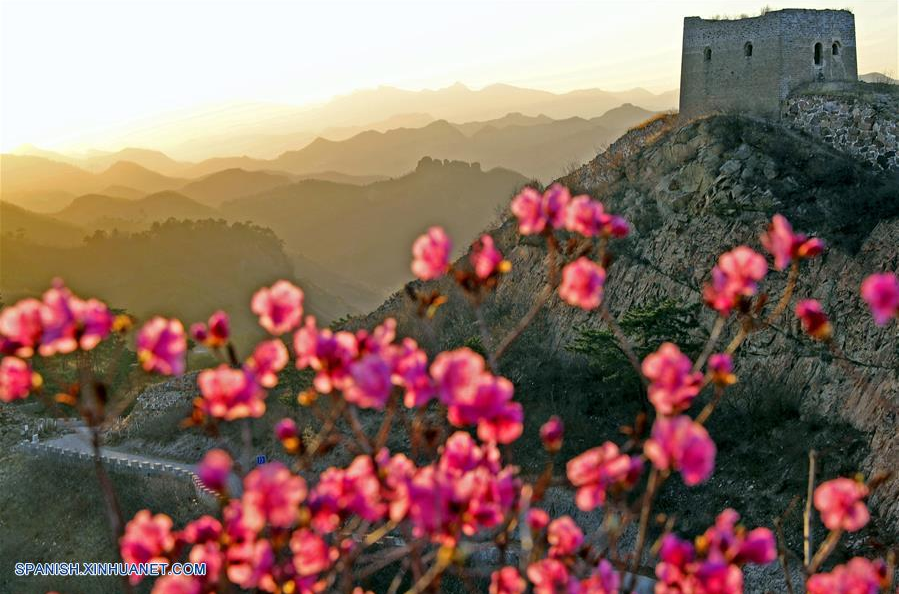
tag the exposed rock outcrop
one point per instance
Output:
(691, 194)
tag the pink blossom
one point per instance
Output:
(596, 470)
(178, 584)
(285, 429)
(147, 539)
(814, 320)
(564, 537)
(536, 212)
(272, 495)
(505, 425)
(341, 492)
(456, 374)
(69, 322)
(20, 327)
(582, 283)
(16, 379)
(214, 469)
(858, 576)
(840, 503)
(584, 216)
(735, 276)
(410, 371)
(507, 581)
(537, 519)
(485, 258)
(279, 307)
(230, 394)
(604, 580)
(199, 332)
(203, 529)
(728, 542)
(615, 226)
(881, 292)
(721, 369)
(250, 565)
(672, 383)
(327, 353)
(489, 406)
(311, 554)
(161, 345)
(465, 491)
(676, 562)
(431, 254)
(555, 205)
(268, 359)
(681, 444)
(219, 329)
(550, 576)
(211, 554)
(215, 332)
(527, 207)
(371, 384)
(551, 433)
(784, 245)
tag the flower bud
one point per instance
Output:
(551, 434)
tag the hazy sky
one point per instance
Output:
(70, 67)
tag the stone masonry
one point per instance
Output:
(752, 64)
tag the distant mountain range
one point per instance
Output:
(265, 130)
(364, 233)
(536, 146)
(352, 240)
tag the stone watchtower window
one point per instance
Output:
(747, 49)
(707, 53)
(836, 48)
(817, 54)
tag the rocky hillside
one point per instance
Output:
(691, 193)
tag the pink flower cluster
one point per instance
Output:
(364, 366)
(582, 283)
(599, 469)
(552, 576)
(672, 383)
(465, 491)
(431, 254)
(161, 346)
(734, 277)
(474, 396)
(230, 394)
(60, 323)
(215, 332)
(841, 504)
(16, 379)
(713, 565)
(679, 443)
(279, 307)
(556, 209)
(814, 320)
(858, 576)
(881, 292)
(784, 245)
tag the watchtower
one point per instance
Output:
(752, 64)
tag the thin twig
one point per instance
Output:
(807, 516)
(623, 341)
(824, 550)
(710, 343)
(651, 486)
